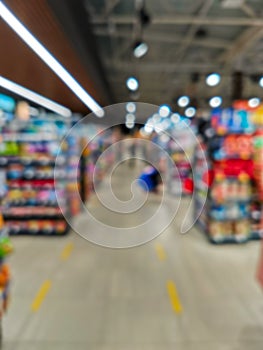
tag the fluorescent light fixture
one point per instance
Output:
(213, 79)
(215, 101)
(164, 111)
(131, 107)
(190, 112)
(254, 102)
(50, 60)
(130, 118)
(140, 49)
(261, 82)
(34, 97)
(132, 84)
(183, 101)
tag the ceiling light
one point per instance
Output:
(254, 102)
(156, 118)
(130, 117)
(158, 128)
(148, 128)
(34, 97)
(129, 125)
(213, 79)
(143, 132)
(183, 101)
(166, 124)
(164, 111)
(50, 60)
(132, 84)
(131, 107)
(175, 118)
(215, 101)
(190, 112)
(261, 82)
(140, 49)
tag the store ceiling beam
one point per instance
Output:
(109, 6)
(248, 10)
(125, 66)
(166, 67)
(161, 38)
(239, 47)
(190, 36)
(182, 20)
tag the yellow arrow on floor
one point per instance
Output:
(41, 295)
(174, 297)
(160, 252)
(66, 252)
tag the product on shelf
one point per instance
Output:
(231, 213)
(5, 249)
(95, 159)
(29, 156)
(258, 175)
(178, 144)
(40, 170)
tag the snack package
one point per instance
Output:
(242, 228)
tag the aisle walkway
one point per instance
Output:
(174, 293)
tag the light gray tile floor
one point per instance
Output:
(106, 299)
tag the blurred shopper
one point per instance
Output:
(150, 179)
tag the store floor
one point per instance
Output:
(177, 292)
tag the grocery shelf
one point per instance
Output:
(229, 178)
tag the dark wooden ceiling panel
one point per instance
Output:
(20, 64)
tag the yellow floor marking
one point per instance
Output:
(174, 298)
(66, 251)
(160, 252)
(41, 295)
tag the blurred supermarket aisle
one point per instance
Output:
(176, 292)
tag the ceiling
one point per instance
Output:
(93, 39)
(70, 41)
(185, 37)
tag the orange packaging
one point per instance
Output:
(1, 221)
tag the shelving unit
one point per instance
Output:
(257, 212)
(181, 149)
(230, 207)
(5, 249)
(178, 143)
(93, 167)
(28, 158)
